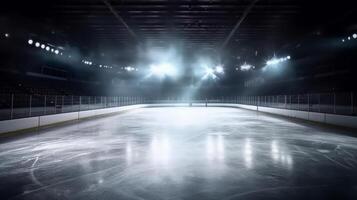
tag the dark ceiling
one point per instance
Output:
(123, 25)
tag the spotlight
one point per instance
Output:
(56, 51)
(275, 61)
(349, 38)
(43, 46)
(354, 35)
(47, 48)
(7, 35)
(209, 73)
(272, 61)
(161, 70)
(246, 67)
(30, 42)
(209, 70)
(37, 44)
(219, 69)
(52, 50)
(129, 68)
(343, 40)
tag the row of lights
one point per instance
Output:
(90, 63)
(275, 61)
(354, 36)
(43, 46)
(129, 68)
(86, 62)
(245, 67)
(105, 66)
(56, 51)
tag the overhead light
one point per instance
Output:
(162, 70)
(209, 73)
(43, 46)
(7, 35)
(47, 48)
(219, 69)
(354, 35)
(349, 38)
(275, 61)
(246, 67)
(343, 40)
(30, 42)
(56, 51)
(52, 50)
(272, 61)
(37, 44)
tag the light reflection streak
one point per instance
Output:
(129, 153)
(248, 153)
(280, 156)
(215, 148)
(160, 150)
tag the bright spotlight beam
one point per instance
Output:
(246, 67)
(209, 73)
(162, 70)
(219, 69)
(275, 61)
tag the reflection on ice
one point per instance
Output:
(129, 153)
(215, 148)
(160, 150)
(279, 155)
(248, 154)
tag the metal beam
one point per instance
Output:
(121, 20)
(246, 12)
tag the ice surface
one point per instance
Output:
(181, 153)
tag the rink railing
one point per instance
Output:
(14, 106)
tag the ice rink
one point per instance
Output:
(181, 153)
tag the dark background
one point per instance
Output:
(311, 32)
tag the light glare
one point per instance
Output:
(275, 61)
(246, 67)
(162, 70)
(219, 69)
